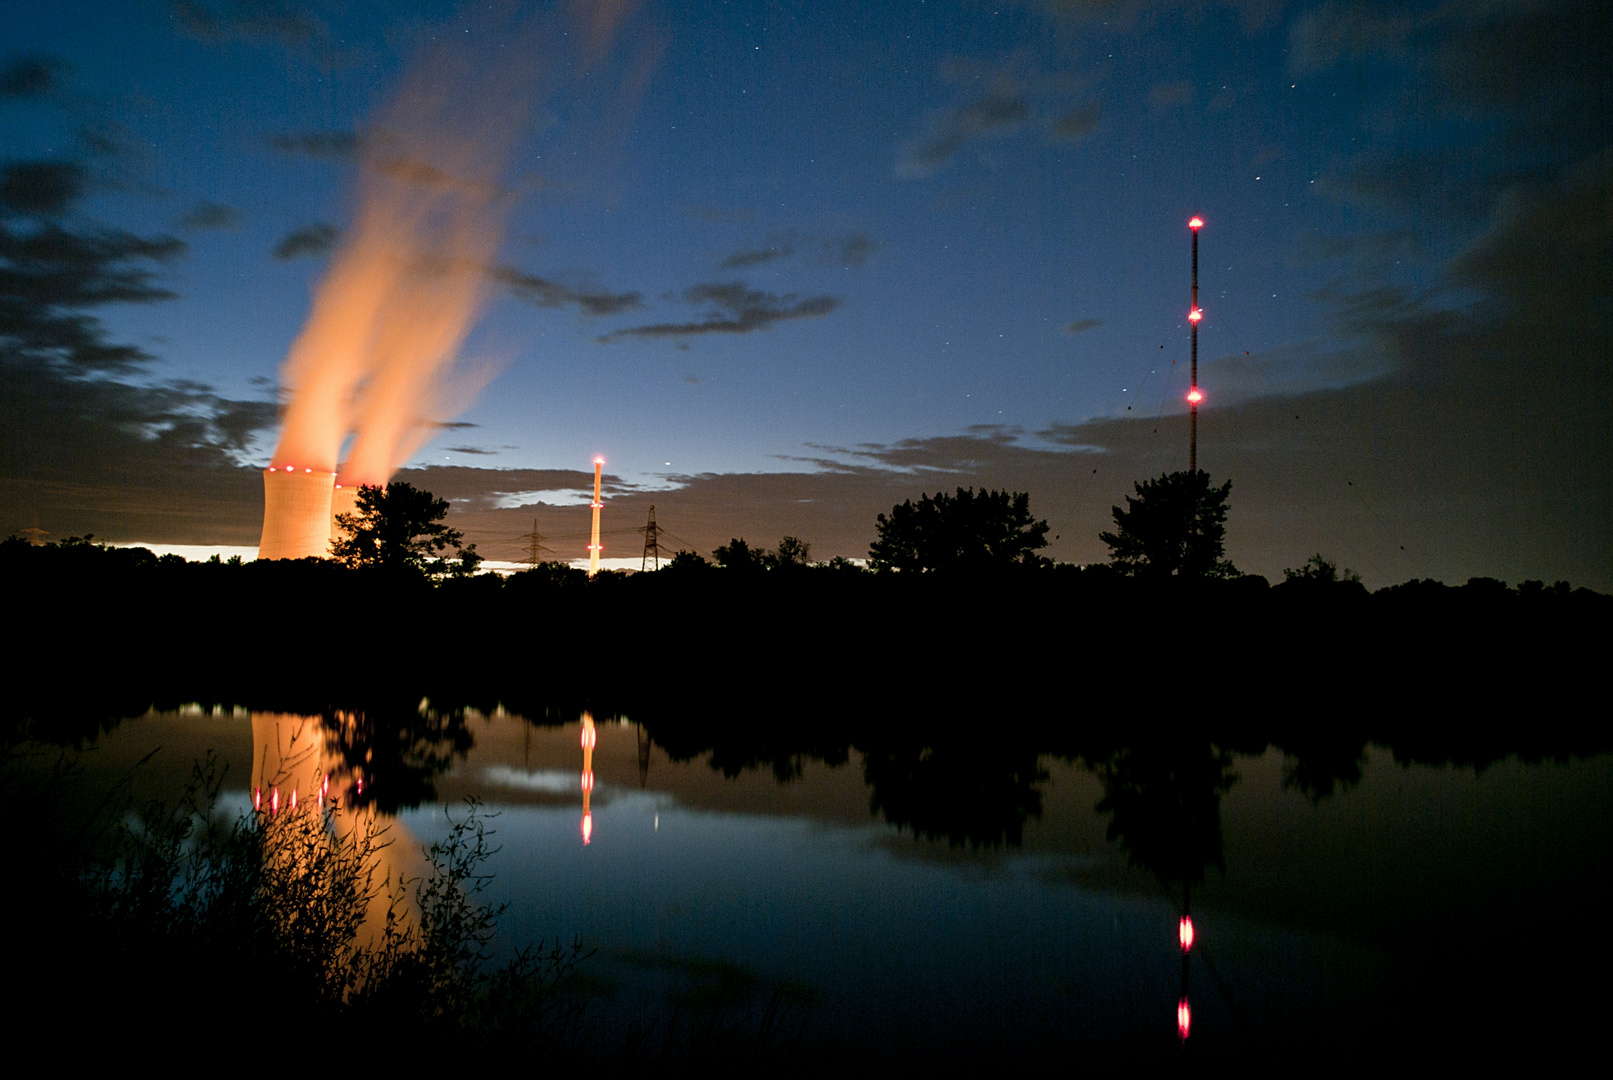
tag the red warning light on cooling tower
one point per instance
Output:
(1196, 223)
(1184, 933)
(1194, 397)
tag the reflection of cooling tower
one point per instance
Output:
(344, 500)
(296, 514)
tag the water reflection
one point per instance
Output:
(590, 736)
(301, 767)
(708, 863)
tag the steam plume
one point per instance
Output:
(410, 280)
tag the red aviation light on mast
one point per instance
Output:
(1194, 397)
(1195, 315)
(1196, 224)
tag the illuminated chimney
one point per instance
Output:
(593, 544)
(296, 513)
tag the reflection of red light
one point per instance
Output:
(587, 829)
(1195, 315)
(1184, 933)
(274, 801)
(293, 798)
(257, 798)
(1194, 396)
(1184, 1018)
(588, 738)
(361, 785)
(1196, 223)
(588, 780)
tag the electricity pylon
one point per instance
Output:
(652, 545)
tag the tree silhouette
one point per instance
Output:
(1174, 528)
(968, 531)
(399, 527)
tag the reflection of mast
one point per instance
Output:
(589, 737)
(593, 544)
(1184, 937)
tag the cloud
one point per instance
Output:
(311, 241)
(1078, 123)
(998, 113)
(30, 75)
(51, 277)
(1166, 95)
(1082, 325)
(543, 293)
(40, 188)
(736, 309)
(319, 145)
(853, 250)
(210, 215)
(469, 450)
(249, 20)
(779, 247)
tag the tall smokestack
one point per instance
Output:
(593, 544)
(296, 513)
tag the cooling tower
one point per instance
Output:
(296, 513)
(344, 500)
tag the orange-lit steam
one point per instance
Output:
(376, 358)
(408, 284)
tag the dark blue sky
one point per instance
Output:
(904, 247)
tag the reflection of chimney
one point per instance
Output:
(344, 500)
(296, 513)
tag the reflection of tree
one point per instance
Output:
(959, 791)
(1165, 798)
(398, 749)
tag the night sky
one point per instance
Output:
(785, 265)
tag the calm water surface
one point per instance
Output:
(794, 905)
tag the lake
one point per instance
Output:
(986, 896)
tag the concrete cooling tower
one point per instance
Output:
(296, 513)
(344, 500)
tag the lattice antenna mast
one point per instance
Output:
(534, 547)
(1193, 396)
(652, 545)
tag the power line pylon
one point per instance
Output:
(534, 547)
(652, 545)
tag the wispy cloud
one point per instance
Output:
(206, 216)
(1080, 326)
(998, 113)
(735, 308)
(545, 293)
(308, 242)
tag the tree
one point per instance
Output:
(1322, 571)
(1174, 528)
(792, 551)
(738, 555)
(399, 527)
(968, 531)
